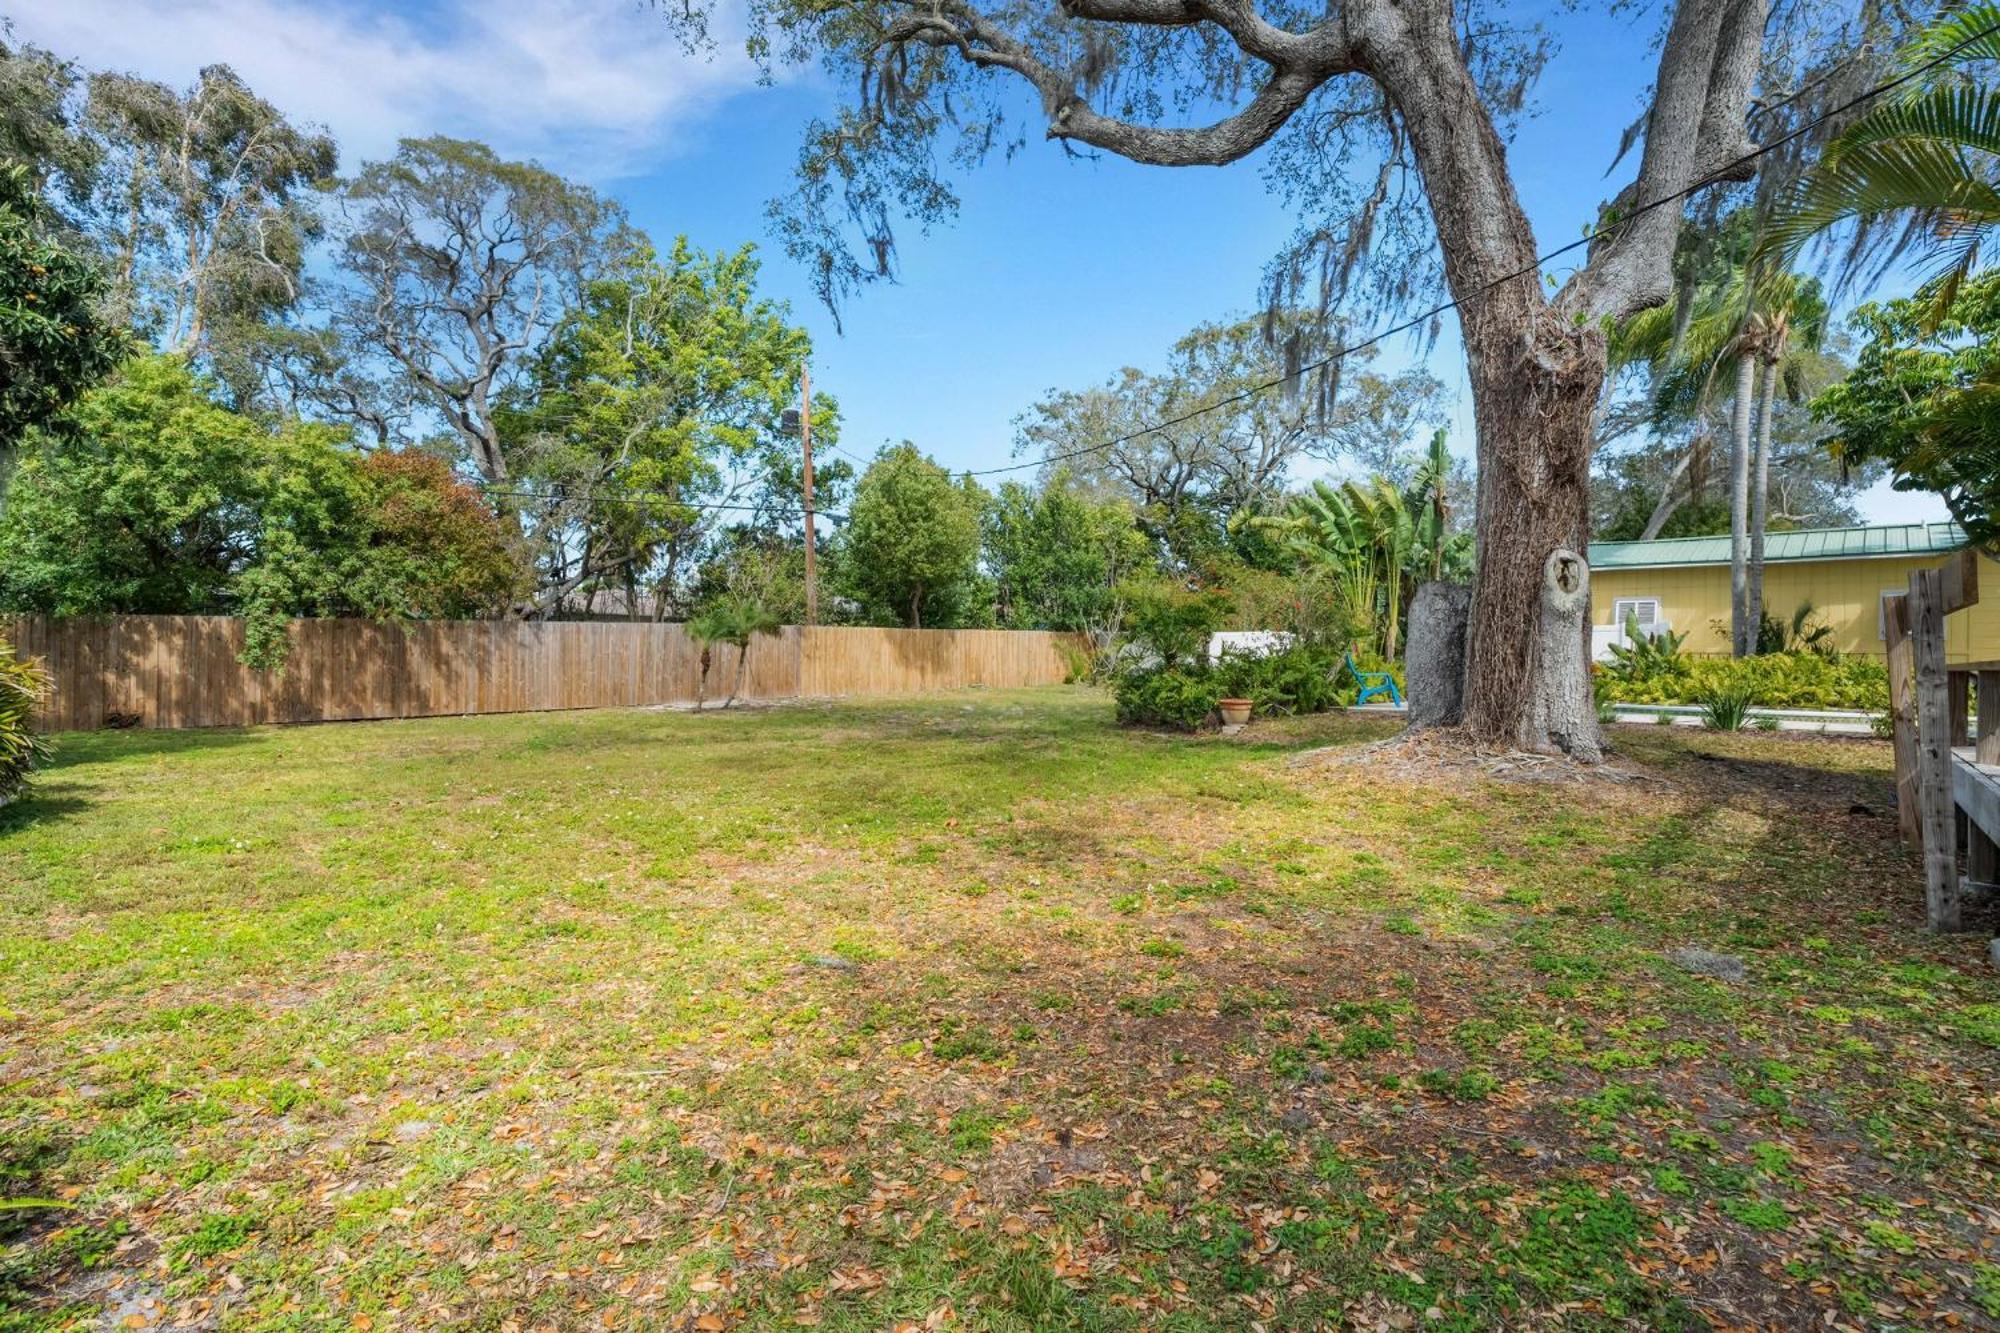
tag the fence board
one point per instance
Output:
(184, 671)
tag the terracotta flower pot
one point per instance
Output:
(1235, 712)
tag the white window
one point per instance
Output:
(1642, 611)
(1882, 610)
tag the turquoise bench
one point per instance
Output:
(1374, 683)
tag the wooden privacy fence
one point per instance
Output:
(183, 671)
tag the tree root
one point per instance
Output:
(1440, 752)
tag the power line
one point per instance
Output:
(662, 499)
(1587, 238)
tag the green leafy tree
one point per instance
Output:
(1057, 556)
(911, 547)
(160, 500)
(54, 342)
(457, 268)
(661, 393)
(38, 129)
(1924, 399)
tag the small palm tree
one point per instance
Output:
(1929, 160)
(735, 620)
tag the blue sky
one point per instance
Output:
(1058, 271)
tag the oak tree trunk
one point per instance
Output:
(1535, 382)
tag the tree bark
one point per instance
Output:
(1533, 400)
(1565, 712)
(1760, 499)
(742, 661)
(1536, 378)
(1434, 671)
(1742, 635)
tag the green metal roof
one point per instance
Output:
(1857, 543)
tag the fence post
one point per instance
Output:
(1982, 857)
(1902, 716)
(1934, 776)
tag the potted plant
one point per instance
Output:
(1235, 712)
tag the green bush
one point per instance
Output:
(1804, 679)
(22, 687)
(1297, 680)
(1171, 623)
(1167, 696)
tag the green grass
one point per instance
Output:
(865, 1013)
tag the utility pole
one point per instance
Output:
(806, 435)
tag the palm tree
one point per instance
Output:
(1754, 325)
(1429, 499)
(734, 620)
(1929, 160)
(1685, 345)
(1789, 318)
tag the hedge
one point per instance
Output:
(1774, 680)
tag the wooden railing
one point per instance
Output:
(1929, 706)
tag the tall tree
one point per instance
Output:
(1786, 324)
(457, 265)
(1735, 329)
(1058, 556)
(912, 542)
(209, 202)
(1407, 82)
(658, 398)
(38, 128)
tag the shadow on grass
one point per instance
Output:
(36, 808)
(89, 747)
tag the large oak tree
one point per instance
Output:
(1380, 112)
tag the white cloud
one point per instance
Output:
(593, 88)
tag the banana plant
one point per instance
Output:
(1375, 540)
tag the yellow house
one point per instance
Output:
(1682, 584)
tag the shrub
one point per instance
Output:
(1171, 623)
(1297, 680)
(1725, 707)
(1167, 696)
(1645, 656)
(22, 688)
(1775, 680)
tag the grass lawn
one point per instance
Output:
(976, 1012)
